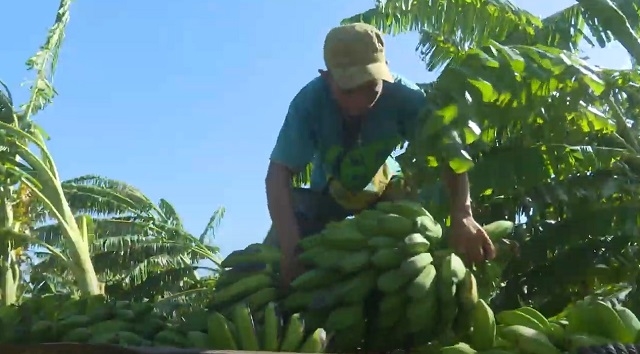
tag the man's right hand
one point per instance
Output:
(285, 223)
(290, 268)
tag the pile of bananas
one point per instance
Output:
(382, 281)
(272, 334)
(364, 276)
(248, 276)
(62, 318)
(93, 320)
(585, 327)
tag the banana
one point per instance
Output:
(242, 319)
(406, 208)
(580, 319)
(451, 272)
(413, 266)
(242, 288)
(467, 292)
(271, 328)
(415, 244)
(460, 348)
(576, 341)
(355, 290)
(293, 335)
(611, 325)
(528, 340)
(220, 336)
(380, 242)
(514, 317)
(631, 322)
(454, 268)
(483, 329)
(343, 317)
(556, 333)
(260, 298)
(537, 316)
(254, 253)
(315, 342)
(421, 285)
(498, 230)
(422, 314)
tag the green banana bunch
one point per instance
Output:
(248, 277)
(91, 319)
(595, 318)
(380, 269)
(589, 323)
(242, 333)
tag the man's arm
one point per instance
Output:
(294, 149)
(459, 196)
(280, 203)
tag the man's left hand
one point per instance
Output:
(470, 241)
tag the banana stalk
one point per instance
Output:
(45, 184)
(8, 276)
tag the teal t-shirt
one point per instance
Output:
(313, 131)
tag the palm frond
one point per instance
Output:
(209, 232)
(449, 27)
(169, 214)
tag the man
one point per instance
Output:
(347, 122)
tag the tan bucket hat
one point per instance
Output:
(354, 54)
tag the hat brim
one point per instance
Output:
(349, 78)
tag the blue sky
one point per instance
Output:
(184, 100)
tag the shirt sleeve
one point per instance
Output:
(295, 146)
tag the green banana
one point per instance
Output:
(293, 335)
(260, 298)
(243, 320)
(630, 320)
(514, 317)
(556, 333)
(451, 272)
(343, 317)
(498, 230)
(254, 253)
(611, 325)
(575, 341)
(537, 316)
(580, 319)
(421, 285)
(422, 314)
(242, 288)
(406, 208)
(271, 328)
(413, 266)
(528, 340)
(315, 342)
(220, 336)
(483, 329)
(459, 348)
(467, 292)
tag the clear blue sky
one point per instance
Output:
(185, 99)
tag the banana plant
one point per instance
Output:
(35, 168)
(542, 133)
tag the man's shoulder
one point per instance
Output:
(312, 93)
(403, 84)
(404, 92)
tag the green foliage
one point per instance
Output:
(548, 139)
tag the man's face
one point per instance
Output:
(357, 101)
